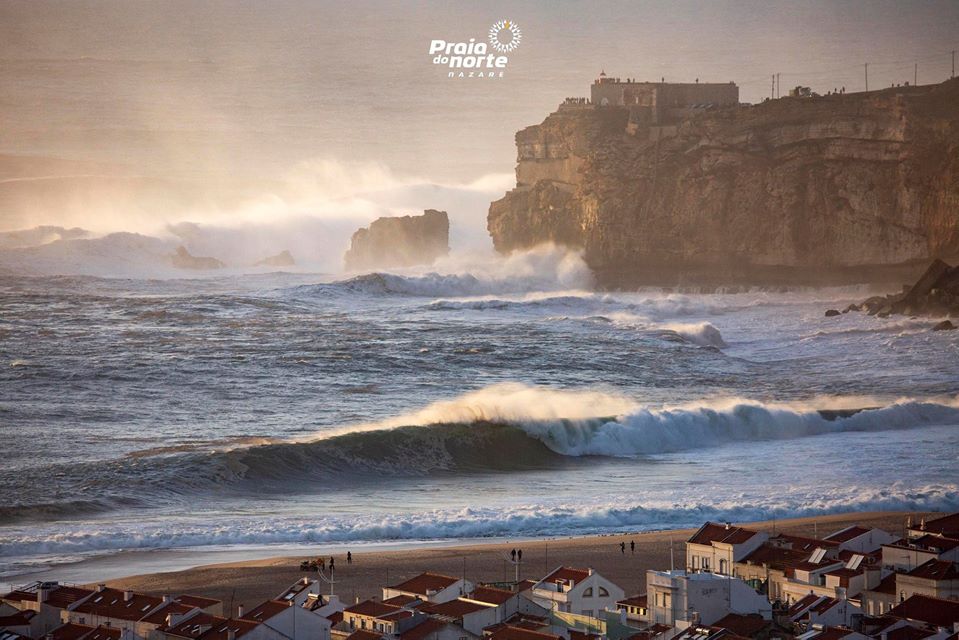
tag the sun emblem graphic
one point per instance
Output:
(504, 36)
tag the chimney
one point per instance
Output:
(240, 610)
(42, 593)
(167, 599)
(101, 588)
(727, 526)
(306, 580)
(127, 595)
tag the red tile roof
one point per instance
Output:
(634, 601)
(423, 629)
(936, 611)
(936, 570)
(221, 630)
(62, 597)
(946, 525)
(833, 633)
(454, 609)
(104, 633)
(908, 633)
(158, 617)
(18, 595)
(69, 631)
(371, 608)
(741, 625)
(425, 583)
(712, 532)
(492, 595)
(193, 626)
(934, 541)
(777, 557)
(266, 610)
(525, 585)
(402, 614)
(200, 602)
(111, 603)
(567, 575)
(824, 606)
(801, 605)
(516, 633)
(847, 534)
(18, 619)
(401, 600)
(887, 585)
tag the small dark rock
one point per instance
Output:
(945, 325)
(831, 312)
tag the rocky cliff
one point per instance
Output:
(401, 241)
(850, 187)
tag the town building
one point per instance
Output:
(681, 598)
(430, 587)
(717, 547)
(579, 591)
(656, 103)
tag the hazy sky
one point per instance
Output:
(322, 77)
(252, 88)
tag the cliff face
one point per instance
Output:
(840, 188)
(400, 242)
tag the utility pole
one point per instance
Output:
(915, 75)
(772, 87)
(779, 94)
(953, 64)
(866, 67)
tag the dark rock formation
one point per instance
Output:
(400, 242)
(282, 259)
(945, 325)
(182, 259)
(842, 188)
(935, 293)
(832, 312)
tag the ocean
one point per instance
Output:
(143, 408)
(509, 401)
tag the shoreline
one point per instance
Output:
(254, 579)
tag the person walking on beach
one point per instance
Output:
(519, 555)
(331, 564)
(512, 554)
(632, 546)
(349, 558)
(622, 548)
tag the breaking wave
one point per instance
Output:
(503, 428)
(542, 268)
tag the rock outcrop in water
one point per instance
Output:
(183, 259)
(935, 293)
(403, 241)
(840, 188)
(282, 259)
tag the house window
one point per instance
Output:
(695, 562)
(588, 593)
(588, 612)
(722, 565)
(603, 593)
